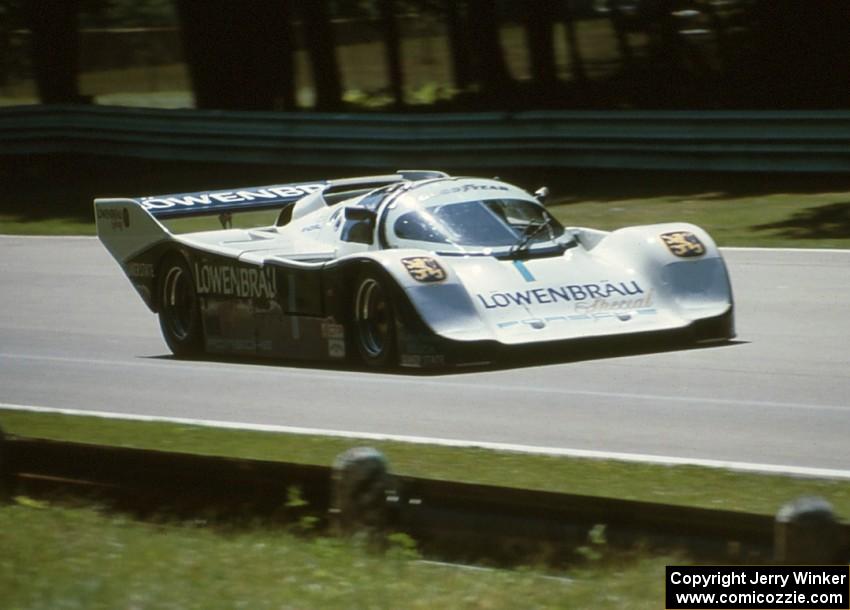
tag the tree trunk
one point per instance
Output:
(281, 40)
(576, 59)
(540, 18)
(239, 55)
(56, 50)
(5, 51)
(455, 11)
(321, 50)
(392, 49)
(618, 24)
(667, 44)
(489, 64)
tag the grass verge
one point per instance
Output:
(779, 220)
(786, 220)
(681, 485)
(16, 224)
(79, 558)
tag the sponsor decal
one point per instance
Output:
(230, 280)
(332, 330)
(418, 360)
(243, 196)
(115, 218)
(465, 189)
(538, 323)
(140, 270)
(571, 293)
(600, 305)
(524, 271)
(424, 269)
(683, 244)
(474, 187)
(336, 348)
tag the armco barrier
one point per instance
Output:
(449, 519)
(816, 141)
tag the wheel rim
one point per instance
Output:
(373, 317)
(179, 303)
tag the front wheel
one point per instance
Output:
(179, 310)
(375, 321)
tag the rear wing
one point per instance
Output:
(217, 202)
(263, 197)
(129, 225)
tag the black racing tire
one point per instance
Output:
(179, 307)
(374, 320)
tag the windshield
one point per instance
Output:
(491, 223)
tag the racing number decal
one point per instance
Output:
(424, 269)
(683, 244)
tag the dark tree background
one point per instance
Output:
(239, 54)
(756, 54)
(802, 54)
(55, 49)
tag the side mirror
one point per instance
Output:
(541, 194)
(359, 225)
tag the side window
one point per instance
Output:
(358, 226)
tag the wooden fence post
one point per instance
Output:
(807, 532)
(360, 484)
(5, 469)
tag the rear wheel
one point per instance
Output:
(179, 310)
(374, 321)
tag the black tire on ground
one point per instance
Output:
(179, 310)
(374, 319)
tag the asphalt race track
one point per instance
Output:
(75, 335)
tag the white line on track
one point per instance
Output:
(800, 471)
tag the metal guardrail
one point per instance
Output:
(449, 519)
(817, 141)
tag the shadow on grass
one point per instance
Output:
(826, 221)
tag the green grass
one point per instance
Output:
(58, 557)
(244, 220)
(14, 224)
(682, 485)
(817, 220)
(789, 220)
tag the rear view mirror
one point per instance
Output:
(541, 194)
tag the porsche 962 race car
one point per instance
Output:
(416, 268)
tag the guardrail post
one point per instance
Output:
(5, 469)
(806, 532)
(360, 484)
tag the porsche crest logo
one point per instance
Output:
(424, 269)
(683, 244)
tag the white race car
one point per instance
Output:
(416, 268)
